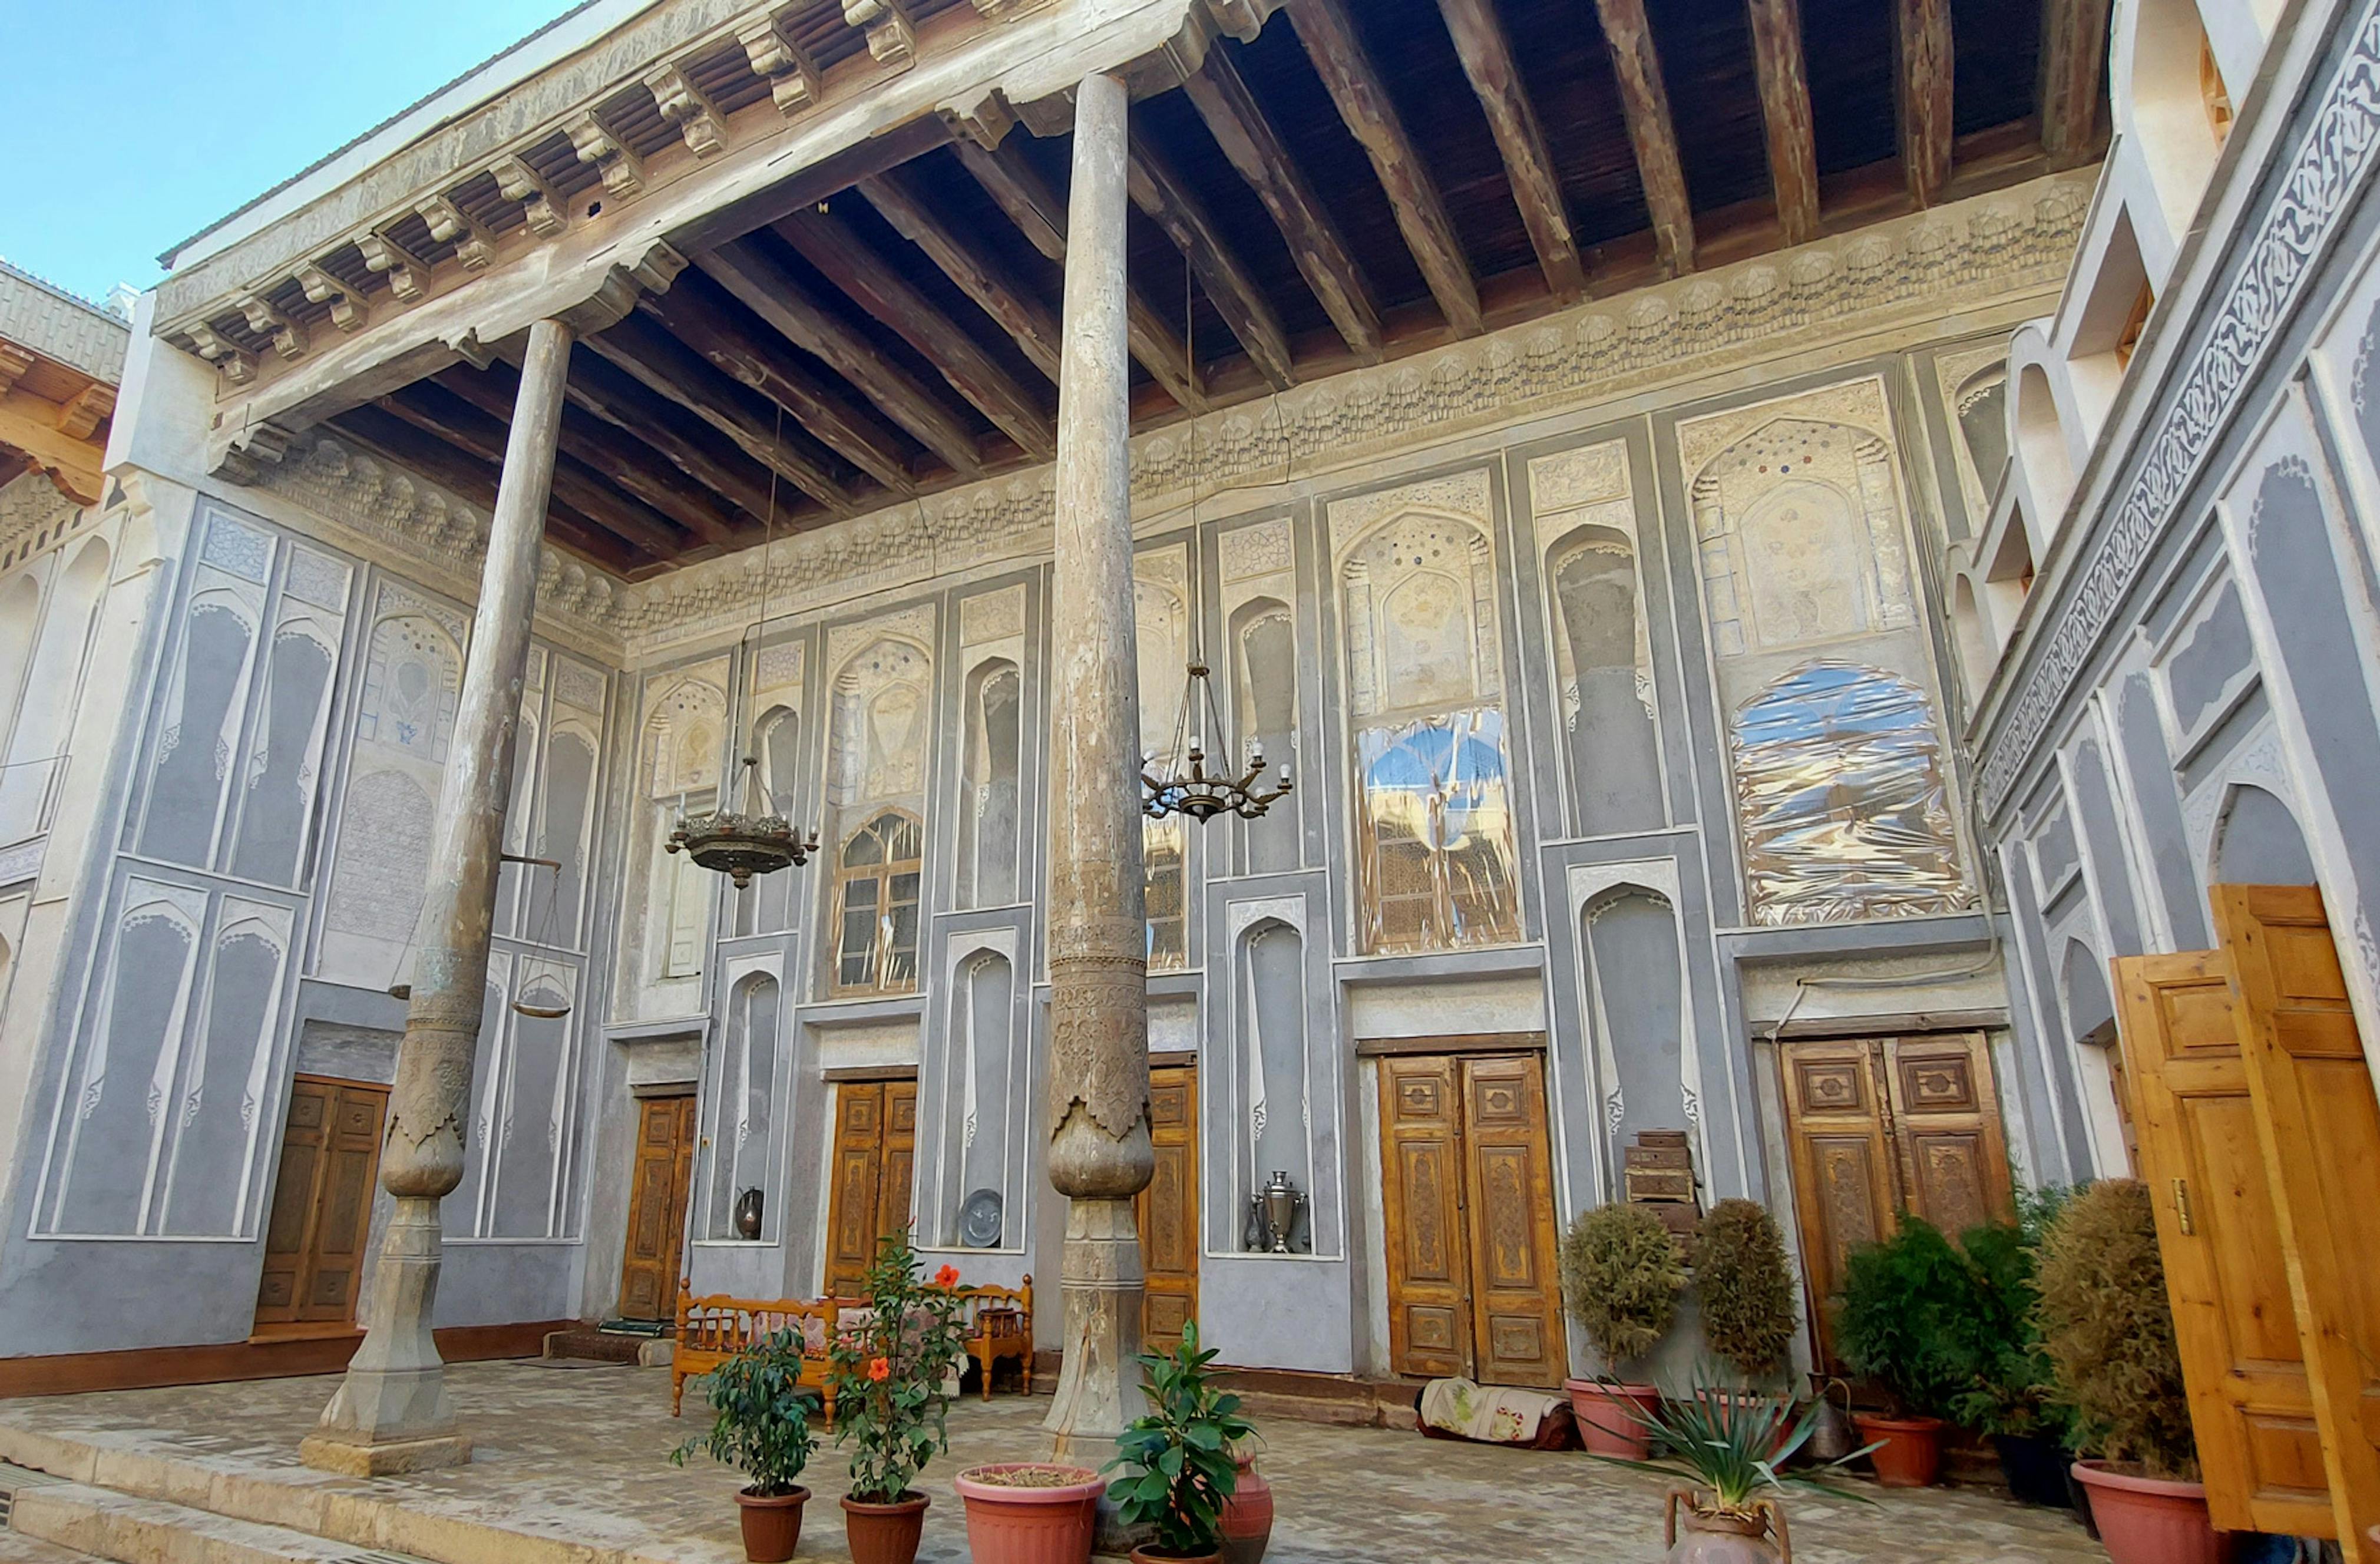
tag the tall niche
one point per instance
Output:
(1636, 981)
(988, 817)
(1607, 689)
(1272, 1059)
(984, 1075)
(743, 1090)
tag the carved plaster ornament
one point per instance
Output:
(238, 366)
(892, 36)
(541, 207)
(409, 274)
(288, 336)
(447, 223)
(347, 311)
(623, 170)
(689, 108)
(769, 45)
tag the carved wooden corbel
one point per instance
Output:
(987, 121)
(447, 223)
(689, 108)
(792, 76)
(238, 365)
(14, 362)
(623, 170)
(288, 336)
(347, 311)
(254, 454)
(622, 285)
(84, 412)
(409, 274)
(541, 207)
(892, 36)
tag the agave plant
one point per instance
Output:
(1732, 1447)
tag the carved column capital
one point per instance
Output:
(617, 292)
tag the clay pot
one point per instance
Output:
(1608, 1417)
(1247, 1515)
(2036, 1470)
(1911, 1453)
(885, 1534)
(2150, 1520)
(772, 1525)
(1008, 1524)
(1696, 1534)
(1151, 1553)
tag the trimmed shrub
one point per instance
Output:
(2108, 1330)
(1908, 1319)
(1622, 1275)
(1745, 1287)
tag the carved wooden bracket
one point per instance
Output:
(288, 336)
(541, 207)
(892, 36)
(623, 170)
(769, 45)
(689, 108)
(258, 451)
(14, 362)
(621, 286)
(84, 412)
(347, 311)
(238, 365)
(409, 274)
(448, 224)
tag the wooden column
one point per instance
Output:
(1099, 1151)
(392, 1414)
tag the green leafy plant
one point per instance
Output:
(1733, 1448)
(761, 1422)
(890, 1372)
(1908, 1319)
(1176, 1459)
(2107, 1329)
(1622, 1273)
(2011, 1385)
(1745, 1287)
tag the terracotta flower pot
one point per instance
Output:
(885, 1534)
(1697, 1535)
(1607, 1417)
(1046, 1519)
(1151, 1553)
(1911, 1451)
(772, 1525)
(1247, 1515)
(2149, 1520)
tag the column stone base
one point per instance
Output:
(1098, 1383)
(328, 1454)
(391, 1414)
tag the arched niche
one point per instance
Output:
(680, 760)
(467, 1210)
(2161, 65)
(2041, 442)
(1603, 660)
(1264, 690)
(990, 820)
(219, 1101)
(2257, 841)
(1272, 1061)
(745, 1110)
(564, 833)
(768, 905)
(1977, 655)
(529, 1152)
(985, 1079)
(2090, 1008)
(52, 686)
(20, 622)
(1980, 405)
(1637, 998)
(278, 809)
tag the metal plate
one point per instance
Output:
(980, 1220)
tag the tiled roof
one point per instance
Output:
(55, 324)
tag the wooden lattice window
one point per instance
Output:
(876, 876)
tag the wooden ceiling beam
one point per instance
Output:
(2073, 58)
(1922, 95)
(1486, 56)
(1159, 192)
(1018, 189)
(1030, 324)
(1784, 79)
(670, 369)
(444, 416)
(601, 392)
(1644, 99)
(1250, 144)
(626, 463)
(833, 419)
(786, 303)
(826, 242)
(444, 464)
(1328, 34)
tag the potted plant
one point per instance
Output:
(1745, 1288)
(1730, 1449)
(2010, 1398)
(1176, 1460)
(1906, 1322)
(1030, 1512)
(2108, 1330)
(1621, 1274)
(889, 1372)
(761, 1425)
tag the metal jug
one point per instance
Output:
(1831, 1431)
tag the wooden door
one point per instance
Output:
(1421, 1165)
(2319, 1128)
(1509, 1210)
(650, 1264)
(874, 1157)
(2233, 1321)
(1882, 1125)
(322, 1204)
(1167, 1211)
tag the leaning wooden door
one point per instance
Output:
(657, 1191)
(2319, 1125)
(1167, 1211)
(875, 1159)
(1421, 1162)
(322, 1204)
(1517, 1336)
(2233, 1321)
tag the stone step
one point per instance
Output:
(104, 1524)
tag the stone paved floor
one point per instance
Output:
(581, 1454)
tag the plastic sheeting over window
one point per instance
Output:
(1435, 820)
(1841, 796)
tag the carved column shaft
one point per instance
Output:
(392, 1414)
(1100, 1152)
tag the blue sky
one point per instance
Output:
(129, 125)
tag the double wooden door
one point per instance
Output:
(322, 1204)
(1474, 1287)
(2259, 1136)
(875, 1161)
(1883, 1125)
(657, 1195)
(1167, 1211)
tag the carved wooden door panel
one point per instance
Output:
(657, 1190)
(1421, 1156)
(1946, 1117)
(1517, 1336)
(875, 1161)
(1167, 1211)
(2319, 1124)
(900, 1158)
(322, 1204)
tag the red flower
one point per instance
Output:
(947, 1277)
(880, 1369)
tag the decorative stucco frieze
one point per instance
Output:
(2320, 181)
(31, 508)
